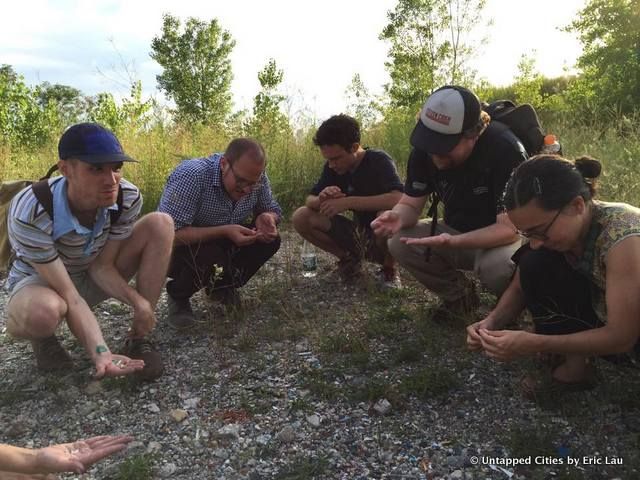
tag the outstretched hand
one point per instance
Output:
(111, 365)
(78, 456)
(387, 224)
(442, 240)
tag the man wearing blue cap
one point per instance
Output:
(464, 160)
(77, 242)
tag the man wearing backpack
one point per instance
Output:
(79, 243)
(465, 160)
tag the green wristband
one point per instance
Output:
(100, 349)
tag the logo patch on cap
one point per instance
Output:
(438, 117)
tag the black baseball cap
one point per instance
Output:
(445, 116)
(91, 143)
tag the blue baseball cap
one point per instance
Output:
(91, 143)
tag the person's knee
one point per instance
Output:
(396, 248)
(39, 318)
(301, 219)
(159, 227)
(495, 272)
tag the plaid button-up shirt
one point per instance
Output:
(195, 196)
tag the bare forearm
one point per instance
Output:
(18, 460)
(408, 214)
(84, 326)
(111, 282)
(190, 235)
(374, 203)
(597, 341)
(491, 236)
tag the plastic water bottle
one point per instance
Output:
(309, 260)
(551, 145)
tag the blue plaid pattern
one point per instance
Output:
(195, 196)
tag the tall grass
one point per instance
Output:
(615, 141)
(294, 163)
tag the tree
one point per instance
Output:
(610, 62)
(360, 104)
(131, 114)
(197, 71)
(428, 46)
(24, 123)
(528, 82)
(68, 101)
(268, 121)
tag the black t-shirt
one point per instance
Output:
(472, 192)
(376, 174)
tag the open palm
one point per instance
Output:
(78, 456)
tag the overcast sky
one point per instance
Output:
(320, 45)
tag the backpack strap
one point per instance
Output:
(115, 214)
(43, 194)
(433, 213)
(42, 191)
(52, 169)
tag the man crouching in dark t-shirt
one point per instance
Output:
(466, 160)
(362, 180)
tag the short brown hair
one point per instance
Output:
(240, 146)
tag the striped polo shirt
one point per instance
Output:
(195, 196)
(31, 230)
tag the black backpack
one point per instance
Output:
(522, 120)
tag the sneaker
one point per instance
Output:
(460, 310)
(50, 355)
(388, 278)
(229, 297)
(142, 349)
(180, 315)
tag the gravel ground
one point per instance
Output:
(320, 380)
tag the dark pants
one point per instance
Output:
(192, 266)
(558, 297)
(358, 240)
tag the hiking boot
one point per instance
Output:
(460, 310)
(142, 349)
(388, 278)
(228, 296)
(50, 355)
(180, 315)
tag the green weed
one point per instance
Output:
(304, 468)
(429, 382)
(137, 467)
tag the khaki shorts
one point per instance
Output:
(86, 287)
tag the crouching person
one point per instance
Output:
(84, 251)
(364, 181)
(225, 216)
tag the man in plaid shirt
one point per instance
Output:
(225, 216)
